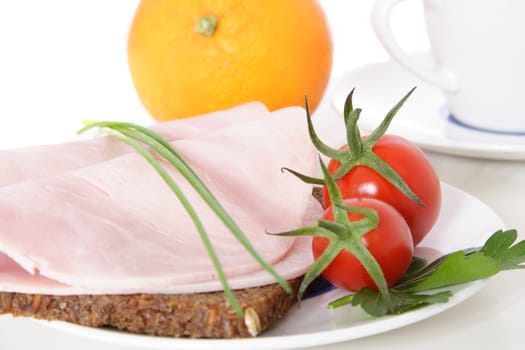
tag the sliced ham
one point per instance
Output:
(40, 161)
(113, 226)
(13, 278)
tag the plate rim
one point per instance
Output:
(282, 342)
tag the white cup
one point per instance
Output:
(478, 48)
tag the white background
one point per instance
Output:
(64, 61)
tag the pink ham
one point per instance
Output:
(13, 278)
(115, 227)
(40, 161)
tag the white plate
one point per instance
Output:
(464, 222)
(423, 119)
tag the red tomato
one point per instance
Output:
(390, 243)
(413, 166)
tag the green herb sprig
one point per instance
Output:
(131, 133)
(423, 284)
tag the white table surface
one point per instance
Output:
(49, 81)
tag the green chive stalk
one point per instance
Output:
(128, 132)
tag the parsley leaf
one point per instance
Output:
(458, 268)
(423, 283)
(499, 247)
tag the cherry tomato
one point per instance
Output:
(414, 168)
(390, 243)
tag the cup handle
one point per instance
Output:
(441, 77)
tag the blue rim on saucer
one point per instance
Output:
(454, 120)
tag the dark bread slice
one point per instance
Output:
(200, 315)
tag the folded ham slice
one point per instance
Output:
(40, 161)
(111, 225)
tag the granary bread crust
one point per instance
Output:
(200, 315)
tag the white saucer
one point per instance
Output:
(423, 118)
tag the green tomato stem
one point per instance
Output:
(353, 136)
(358, 249)
(382, 128)
(348, 107)
(319, 145)
(343, 234)
(359, 151)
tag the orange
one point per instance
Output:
(273, 51)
